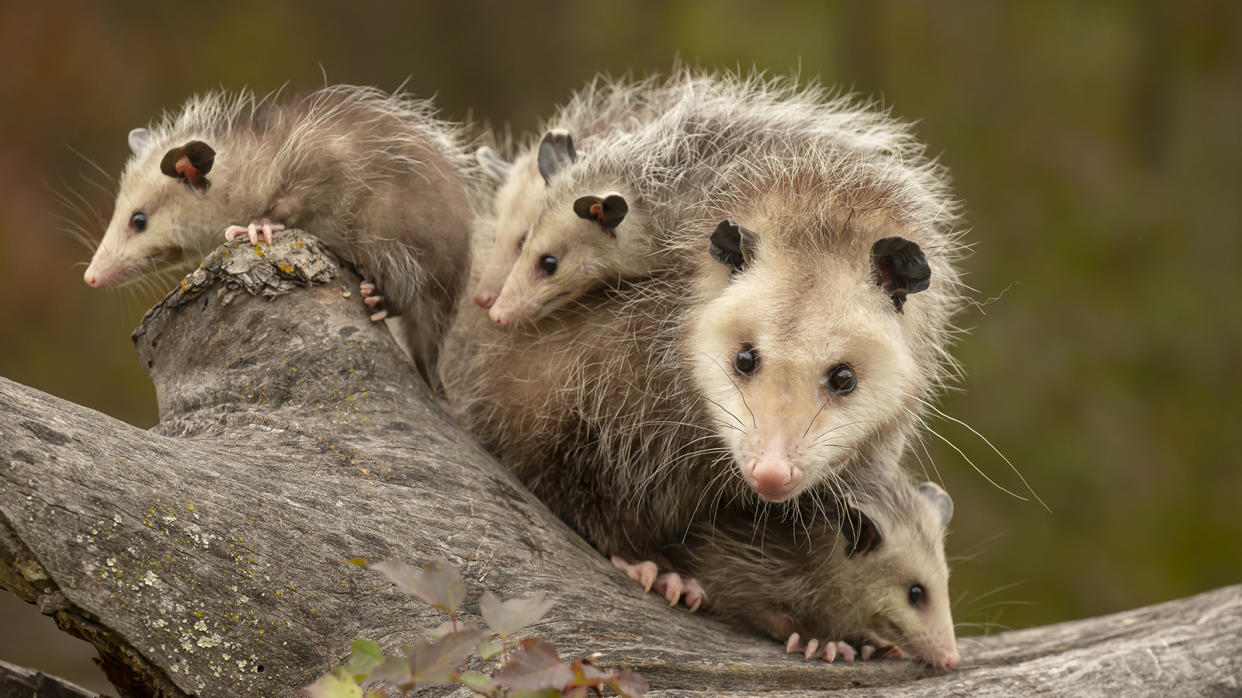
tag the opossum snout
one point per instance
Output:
(775, 479)
(484, 298)
(499, 315)
(944, 659)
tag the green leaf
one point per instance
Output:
(479, 683)
(334, 685)
(393, 670)
(507, 617)
(535, 668)
(364, 656)
(489, 648)
(439, 584)
(628, 684)
(436, 663)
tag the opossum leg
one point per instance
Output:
(830, 650)
(644, 572)
(674, 587)
(264, 225)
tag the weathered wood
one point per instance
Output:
(201, 557)
(20, 681)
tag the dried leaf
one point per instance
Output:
(585, 674)
(507, 617)
(436, 663)
(489, 648)
(439, 584)
(535, 668)
(545, 693)
(441, 630)
(479, 683)
(364, 656)
(575, 692)
(393, 670)
(629, 684)
(334, 685)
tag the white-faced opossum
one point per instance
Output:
(870, 574)
(787, 356)
(601, 107)
(374, 175)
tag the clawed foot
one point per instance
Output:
(262, 225)
(829, 651)
(371, 296)
(672, 586)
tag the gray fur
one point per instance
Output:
(374, 175)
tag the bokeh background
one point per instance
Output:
(1098, 148)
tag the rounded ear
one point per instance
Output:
(899, 268)
(608, 211)
(939, 499)
(495, 167)
(732, 245)
(191, 163)
(556, 152)
(139, 138)
(860, 532)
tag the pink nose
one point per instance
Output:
(484, 299)
(500, 318)
(773, 478)
(91, 278)
(948, 660)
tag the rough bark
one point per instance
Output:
(20, 681)
(202, 557)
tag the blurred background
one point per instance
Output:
(1097, 148)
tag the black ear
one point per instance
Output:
(940, 501)
(860, 532)
(732, 245)
(900, 268)
(556, 151)
(608, 211)
(190, 162)
(495, 167)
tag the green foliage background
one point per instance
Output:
(1096, 146)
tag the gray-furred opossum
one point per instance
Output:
(374, 175)
(803, 318)
(872, 574)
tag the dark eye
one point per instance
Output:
(138, 221)
(746, 360)
(841, 379)
(916, 594)
(548, 264)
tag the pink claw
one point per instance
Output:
(644, 572)
(366, 288)
(867, 652)
(846, 652)
(830, 652)
(670, 586)
(811, 646)
(373, 301)
(695, 595)
(793, 644)
(252, 231)
(379, 315)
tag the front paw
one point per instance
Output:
(672, 586)
(830, 650)
(258, 225)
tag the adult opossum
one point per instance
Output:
(870, 574)
(784, 338)
(374, 175)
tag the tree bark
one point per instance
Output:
(203, 557)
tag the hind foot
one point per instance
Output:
(372, 297)
(829, 651)
(672, 586)
(264, 225)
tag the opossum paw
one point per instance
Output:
(644, 572)
(371, 296)
(674, 587)
(829, 651)
(261, 225)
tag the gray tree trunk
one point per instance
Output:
(203, 557)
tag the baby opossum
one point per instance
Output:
(870, 575)
(596, 114)
(801, 319)
(374, 175)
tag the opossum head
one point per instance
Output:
(893, 584)
(518, 202)
(586, 236)
(159, 209)
(805, 356)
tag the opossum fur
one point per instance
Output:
(592, 116)
(849, 576)
(375, 175)
(605, 409)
